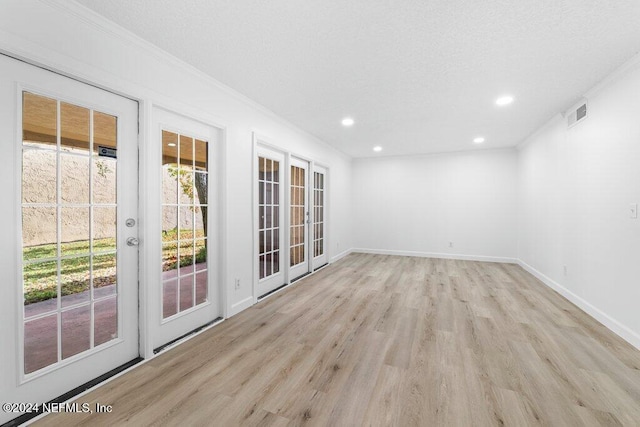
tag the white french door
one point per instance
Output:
(69, 311)
(319, 245)
(183, 221)
(270, 189)
(299, 218)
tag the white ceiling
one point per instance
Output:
(418, 76)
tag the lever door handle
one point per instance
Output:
(133, 241)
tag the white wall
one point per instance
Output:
(575, 188)
(417, 205)
(66, 37)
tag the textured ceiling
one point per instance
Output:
(418, 76)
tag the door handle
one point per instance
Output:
(133, 241)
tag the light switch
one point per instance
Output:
(634, 210)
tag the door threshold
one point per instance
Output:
(73, 393)
(187, 335)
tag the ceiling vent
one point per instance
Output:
(577, 113)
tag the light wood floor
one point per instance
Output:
(387, 340)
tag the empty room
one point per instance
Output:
(328, 213)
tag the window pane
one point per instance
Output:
(104, 229)
(200, 217)
(39, 173)
(186, 153)
(201, 287)
(169, 260)
(186, 223)
(105, 313)
(105, 131)
(76, 331)
(74, 280)
(201, 254)
(261, 266)
(201, 155)
(186, 292)
(104, 180)
(74, 237)
(39, 120)
(104, 275)
(74, 172)
(201, 188)
(40, 343)
(169, 167)
(39, 233)
(40, 285)
(186, 257)
(169, 223)
(74, 124)
(261, 167)
(276, 262)
(169, 298)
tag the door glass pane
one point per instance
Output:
(75, 231)
(39, 121)
(103, 173)
(268, 209)
(76, 332)
(106, 320)
(74, 280)
(74, 121)
(186, 292)
(39, 176)
(184, 221)
(74, 174)
(40, 343)
(298, 215)
(104, 228)
(318, 210)
(68, 215)
(104, 275)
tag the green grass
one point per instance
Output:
(41, 278)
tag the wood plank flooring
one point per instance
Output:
(389, 341)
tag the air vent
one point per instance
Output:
(576, 115)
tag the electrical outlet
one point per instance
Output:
(450, 244)
(634, 211)
(237, 284)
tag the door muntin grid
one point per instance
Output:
(69, 234)
(185, 179)
(268, 217)
(318, 214)
(297, 216)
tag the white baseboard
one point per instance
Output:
(241, 305)
(437, 255)
(610, 323)
(341, 255)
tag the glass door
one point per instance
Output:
(270, 194)
(77, 268)
(186, 294)
(299, 219)
(319, 246)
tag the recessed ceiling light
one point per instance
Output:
(377, 148)
(171, 144)
(347, 121)
(478, 140)
(504, 100)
